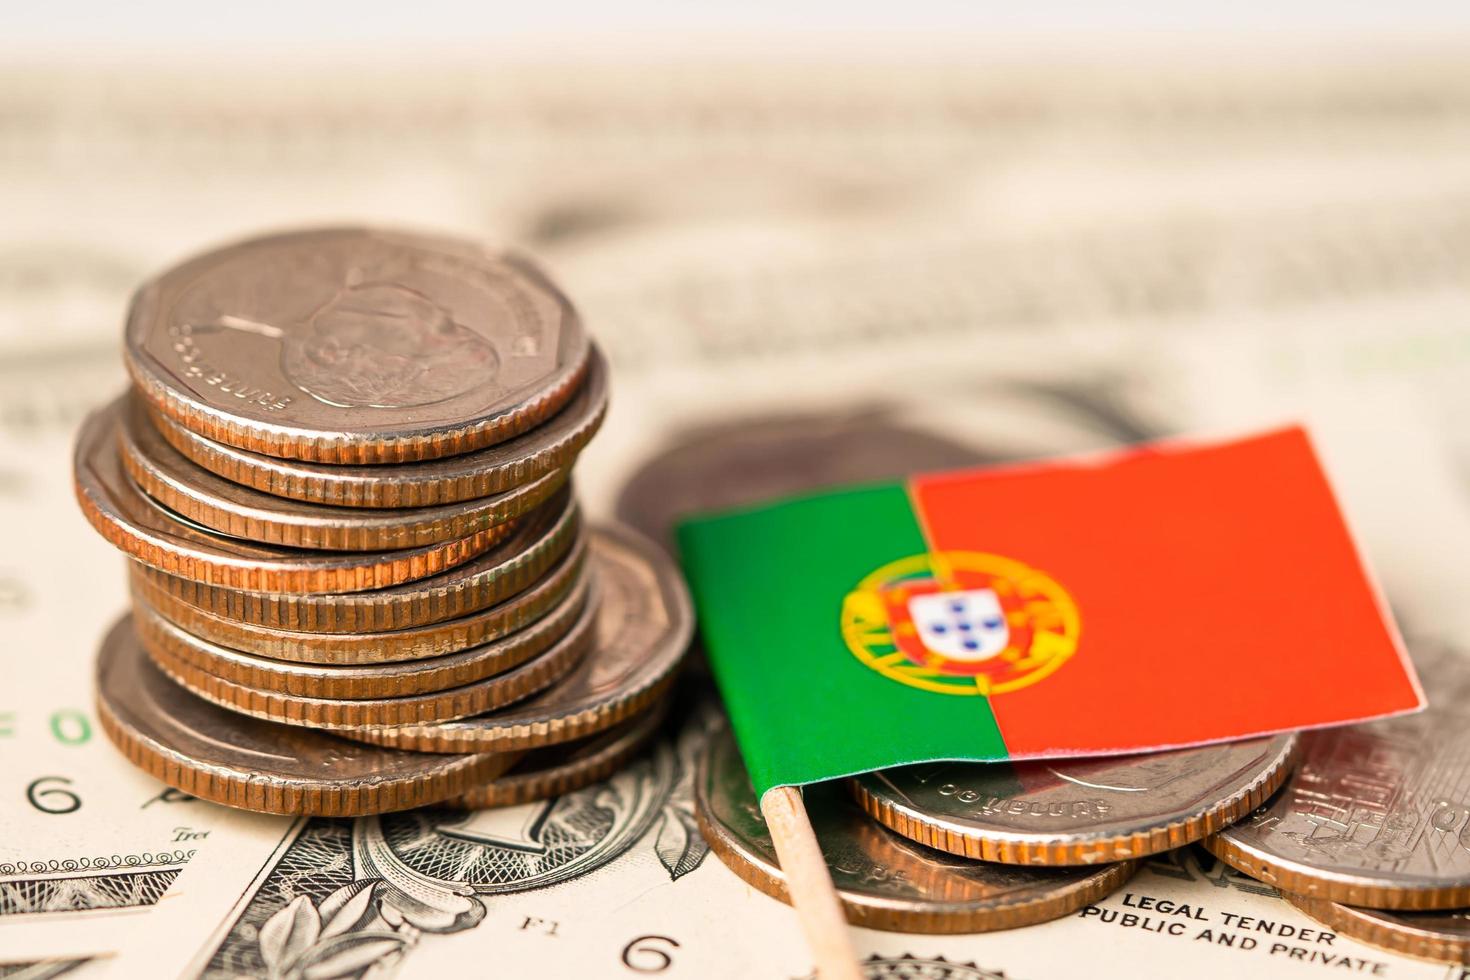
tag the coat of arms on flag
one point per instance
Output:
(960, 623)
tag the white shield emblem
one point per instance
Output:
(966, 626)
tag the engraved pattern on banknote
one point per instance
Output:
(143, 859)
(349, 896)
(678, 843)
(910, 967)
(33, 896)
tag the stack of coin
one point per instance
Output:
(359, 574)
(966, 847)
(1371, 835)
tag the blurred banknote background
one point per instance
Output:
(808, 262)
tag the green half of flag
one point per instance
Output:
(769, 586)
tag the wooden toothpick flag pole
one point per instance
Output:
(810, 884)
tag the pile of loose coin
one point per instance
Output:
(1365, 828)
(360, 578)
(967, 847)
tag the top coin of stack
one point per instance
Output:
(342, 475)
(356, 346)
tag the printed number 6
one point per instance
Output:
(55, 799)
(651, 959)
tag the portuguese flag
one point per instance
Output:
(1166, 596)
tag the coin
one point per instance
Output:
(1443, 936)
(756, 458)
(151, 534)
(222, 757)
(1376, 815)
(352, 345)
(358, 681)
(1077, 811)
(559, 769)
(644, 624)
(536, 656)
(551, 446)
(167, 475)
(303, 647)
(531, 547)
(883, 880)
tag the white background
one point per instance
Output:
(58, 28)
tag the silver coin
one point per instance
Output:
(1443, 936)
(566, 768)
(553, 445)
(242, 512)
(644, 624)
(352, 345)
(753, 459)
(554, 645)
(223, 757)
(161, 539)
(883, 880)
(1376, 815)
(523, 557)
(1077, 811)
(449, 636)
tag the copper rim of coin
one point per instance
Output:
(771, 882)
(354, 682)
(548, 649)
(276, 651)
(1003, 847)
(1349, 889)
(242, 512)
(549, 772)
(208, 752)
(153, 535)
(553, 445)
(1384, 929)
(875, 913)
(160, 386)
(536, 543)
(582, 704)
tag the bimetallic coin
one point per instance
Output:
(553, 445)
(567, 579)
(559, 769)
(537, 657)
(883, 880)
(166, 475)
(356, 681)
(1376, 815)
(1443, 936)
(1077, 811)
(219, 756)
(149, 533)
(523, 556)
(644, 624)
(355, 346)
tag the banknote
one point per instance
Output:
(602, 883)
(89, 847)
(803, 273)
